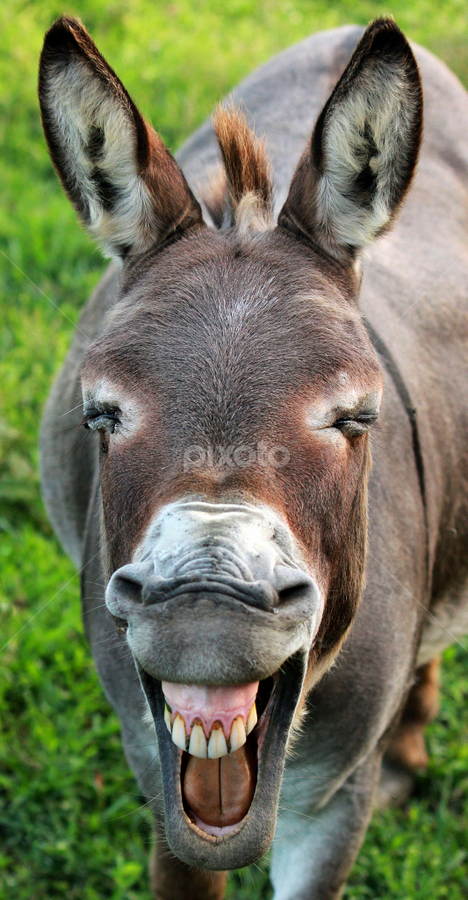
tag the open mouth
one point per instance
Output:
(220, 731)
(222, 753)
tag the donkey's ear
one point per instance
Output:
(355, 172)
(124, 183)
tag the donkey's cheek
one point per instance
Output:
(323, 471)
(124, 518)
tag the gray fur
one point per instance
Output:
(414, 293)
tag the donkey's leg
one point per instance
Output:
(173, 880)
(407, 747)
(314, 849)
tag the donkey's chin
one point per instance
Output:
(197, 830)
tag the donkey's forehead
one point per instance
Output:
(216, 297)
(221, 265)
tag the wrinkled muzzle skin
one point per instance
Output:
(218, 595)
(222, 583)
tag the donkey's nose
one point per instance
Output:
(218, 552)
(260, 594)
(216, 594)
(132, 585)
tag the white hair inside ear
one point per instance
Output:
(352, 178)
(126, 187)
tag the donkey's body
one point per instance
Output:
(415, 299)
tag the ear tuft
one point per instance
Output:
(354, 175)
(246, 165)
(125, 185)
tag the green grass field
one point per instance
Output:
(72, 824)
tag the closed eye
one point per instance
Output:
(101, 419)
(352, 426)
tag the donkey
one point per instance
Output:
(220, 493)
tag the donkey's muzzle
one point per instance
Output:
(217, 594)
(130, 582)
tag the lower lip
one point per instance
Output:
(212, 829)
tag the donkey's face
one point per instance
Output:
(233, 388)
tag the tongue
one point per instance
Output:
(220, 791)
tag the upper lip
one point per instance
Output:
(257, 643)
(260, 594)
(251, 838)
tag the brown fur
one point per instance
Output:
(407, 747)
(245, 161)
(170, 878)
(346, 587)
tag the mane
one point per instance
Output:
(239, 192)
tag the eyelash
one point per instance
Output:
(354, 427)
(98, 420)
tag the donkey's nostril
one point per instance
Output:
(127, 587)
(292, 584)
(291, 593)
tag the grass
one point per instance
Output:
(71, 821)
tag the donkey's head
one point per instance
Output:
(233, 388)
